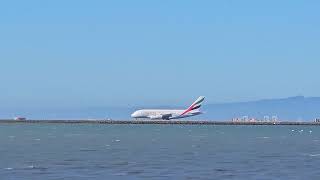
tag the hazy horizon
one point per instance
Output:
(152, 105)
(290, 109)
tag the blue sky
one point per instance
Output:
(128, 53)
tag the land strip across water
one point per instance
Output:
(168, 122)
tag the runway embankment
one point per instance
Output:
(164, 122)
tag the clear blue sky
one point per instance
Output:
(105, 53)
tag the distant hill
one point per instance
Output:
(290, 109)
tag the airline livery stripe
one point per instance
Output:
(189, 109)
(196, 107)
(200, 101)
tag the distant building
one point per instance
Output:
(274, 118)
(266, 118)
(253, 120)
(245, 118)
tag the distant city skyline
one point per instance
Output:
(140, 53)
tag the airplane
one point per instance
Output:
(167, 114)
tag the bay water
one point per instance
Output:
(104, 151)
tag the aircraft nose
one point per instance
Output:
(133, 114)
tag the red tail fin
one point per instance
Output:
(195, 105)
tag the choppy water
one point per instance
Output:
(93, 151)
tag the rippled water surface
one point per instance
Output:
(93, 151)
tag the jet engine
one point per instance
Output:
(165, 117)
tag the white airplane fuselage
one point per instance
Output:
(167, 114)
(163, 114)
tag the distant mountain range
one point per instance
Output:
(297, 108)
(290, 109)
